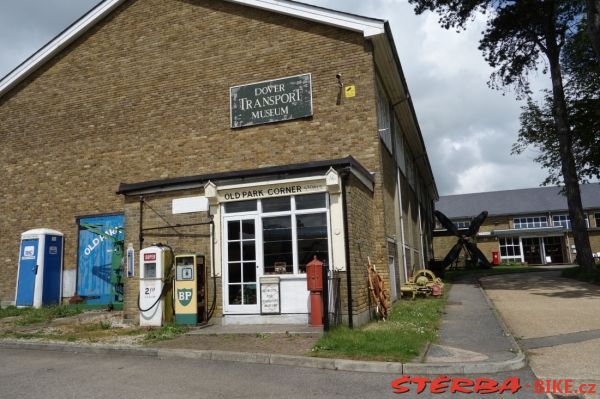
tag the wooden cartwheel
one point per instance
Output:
(377, 291)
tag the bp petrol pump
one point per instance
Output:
(189, 290)
(171, 287)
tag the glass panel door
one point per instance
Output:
(532, 251)
(553, 247)
(241, 265)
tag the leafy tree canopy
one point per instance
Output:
(582, 92)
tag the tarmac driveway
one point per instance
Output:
(555, 320)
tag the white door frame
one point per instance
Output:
(241, 309)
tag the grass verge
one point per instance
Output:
(410, 326)
(166, 332)
(44, 314)
(578, 273)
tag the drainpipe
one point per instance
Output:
(141, 235)
(423, 266)
(345, 173)
(399, 187)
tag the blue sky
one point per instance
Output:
(468, 128)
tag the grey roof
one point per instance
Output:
(513, 202)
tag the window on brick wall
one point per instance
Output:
(562, 221)
(530, 222)
(462, 224)
(384, 118)
(565, 221)
(510, 249)
(399, 146)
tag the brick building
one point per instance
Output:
(290, 123)
(524, 226)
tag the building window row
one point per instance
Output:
(531, 222)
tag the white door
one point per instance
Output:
(242, 264)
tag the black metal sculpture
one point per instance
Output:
(465, 241)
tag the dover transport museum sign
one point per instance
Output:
(271, 101)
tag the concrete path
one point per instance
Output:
(556, 320)
(470, 331)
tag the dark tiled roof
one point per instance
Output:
(513, 202)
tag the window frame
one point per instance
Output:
(561, 220)
(515, 242)
(530, 222)
(292, 213)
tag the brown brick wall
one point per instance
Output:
(144, 96)
(158, 213)
(363, 240)
(595, 240)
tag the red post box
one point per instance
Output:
(495, 258)
(314, 283)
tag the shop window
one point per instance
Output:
(293, 230)
(530, 222)
(277, 245)
(240, 206)
(597, 217)
(278, 204)
(310, 201)
(510, 249)
(312, 239)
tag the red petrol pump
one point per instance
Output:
(314, 283)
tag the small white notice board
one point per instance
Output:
(270, 295)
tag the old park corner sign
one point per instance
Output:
(271, 101)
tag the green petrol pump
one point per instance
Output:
(189, 290)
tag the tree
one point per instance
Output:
(582, 92)
(520, 36)
(593, 15)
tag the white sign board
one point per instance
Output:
(270, 298)
(190, 205)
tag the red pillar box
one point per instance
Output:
(314, 283)
(495, 258)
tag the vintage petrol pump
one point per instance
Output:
(314, 283)
(156, 276)
(189, 290)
